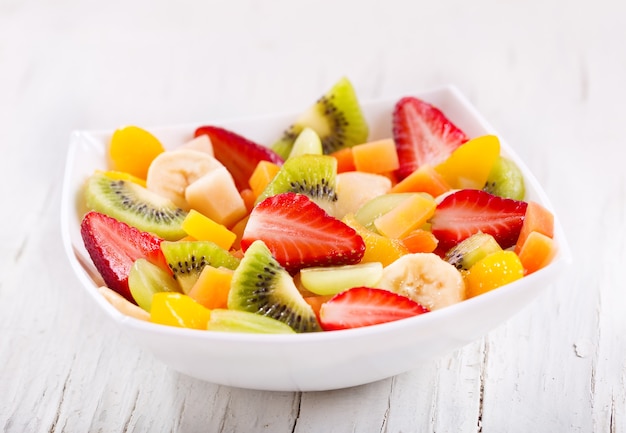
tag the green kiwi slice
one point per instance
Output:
(336, 117)
(135, 205)
(466, 253)
(145, 279)
(505, 180)
(186, 259)
(312, 175)
(243, 321)
(261, 286)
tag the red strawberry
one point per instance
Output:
(114, 246)
(238, 154)
(470, 211)
(301, 234)
(423, 135)
(364, 306)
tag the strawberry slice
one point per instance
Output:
(423, 135)
(469, 211)
(238, 154)
(114, 246)
(301, 234)
(364, 306)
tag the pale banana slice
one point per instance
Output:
(173, 171)
(425, 278)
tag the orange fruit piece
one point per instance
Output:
(376, 156)
(212, 287)
(424, 179)
(537, 219)
(238, 229)
(420, 241)
(378, 248)
(176, 309)
(132, 149)
(345, 160)
(249, 198)
(470, 164)
(406, 216)
(262, 175)
(493, 271)
(536, 252)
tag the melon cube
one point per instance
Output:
(216, 196)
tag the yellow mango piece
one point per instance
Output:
(470, 164)
(378, 248)
(262, 176)
(493, 271)
(376, 156)
(216, 196)
(176, 309)
(212, 287)
(203, 228)
(132, 149)
(406, 217)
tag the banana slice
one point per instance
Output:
(171, 172)
(425, 278)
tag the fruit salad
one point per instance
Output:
(322, 230)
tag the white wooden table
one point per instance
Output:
(549, 75)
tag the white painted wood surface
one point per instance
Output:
(549, 75)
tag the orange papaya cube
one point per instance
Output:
(249, 198)
(316, 301)
(537, 219)
(212, 287)
(238, 229)
(406, 216)
(204, 228)
(470, 164)
(345, 160)
(536, 252)
(424, 179)
(420, 241)
(376, 156)
(262, 175)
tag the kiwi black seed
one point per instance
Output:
(505, 180)
(261, 286)
(187, 260)
(336, 117)
(312, 175)
(135, 205)
(471, 250)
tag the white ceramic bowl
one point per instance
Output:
(317, 361)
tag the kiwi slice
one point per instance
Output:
(336, 117)
(145, 279)
(378, 206)
(261, 286)
(312, 175)
(135, 205)
(505, 180)
(471, 250)
(308, 142)
(186, 259)
(243, 321)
